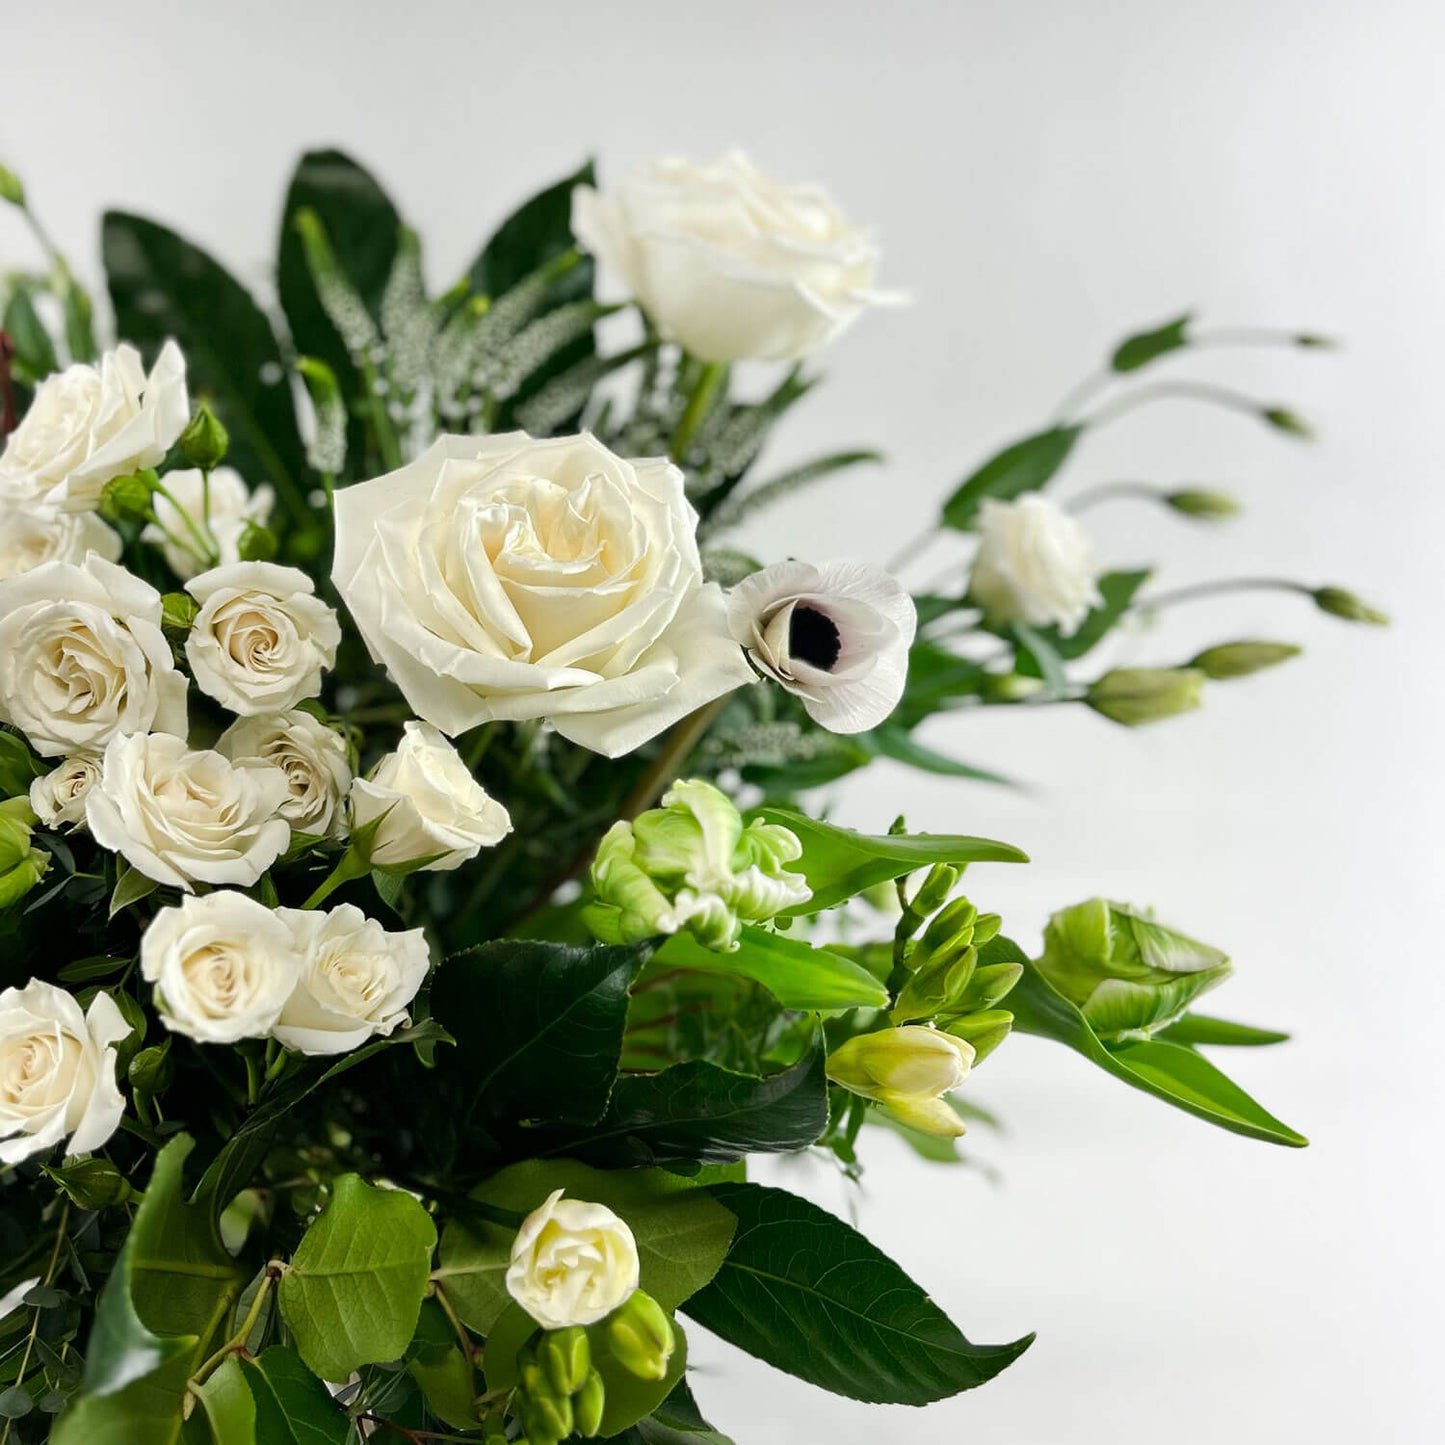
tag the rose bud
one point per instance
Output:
(572, 1263)
(641, 1337)
(1034, 564)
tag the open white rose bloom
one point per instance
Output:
(419, 897)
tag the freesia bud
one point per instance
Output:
(985, 1030)
(933, 987)
(990, 983)
(1239, 659)
(1134, 696)
(1206, 505)
(205, 440)
(1340, 603)
(1128, 975)
(641, 1337)
(908, 1070)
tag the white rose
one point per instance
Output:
(429, 804)
(89, 424)
(58, 798)
(356, 979)
(313, 758)
(572, 1263)
(836, 634)
(223, 966)
(83, 658)
(261, 640)
(501, 577)
(727, 261)
(34, 532)
(1035, 564)
(220, 512)
(185, 817)
(57, 1071)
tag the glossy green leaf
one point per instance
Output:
(356, 1281)
(19, 767)
(226, 1402)
(677, 1421)
(1195, 1029)
(1024, 466)
(446, 1377)
(1117, 590)
(34, 350)
(293, 1407)
(807, 1293)
(1146, 346)
(900, 745)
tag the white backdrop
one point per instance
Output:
(1044, 176)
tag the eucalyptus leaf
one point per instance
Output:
(1023, 466)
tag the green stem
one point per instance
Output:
(670, 762)
(207, 543)
(1220, 588)
(710, 381)
(238, 1340)
(1113, 491)
(351, 867)
(35, 1319)
(381, 425)
(1200, 391)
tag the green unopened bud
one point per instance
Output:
(91, 1183)
(128, 499)
(935, 984)
(1134, 696)
(952, 919)
(178, 612)
(1340, 603)
(1206, 505)
(1128, 975)
(932, 893)
(546, 1421)
(1282, 419)
(11, 188)
(566, 1358)
(908, 1070)
(641, 1337)
(256, 543)
(985, 1030)
(1012, 686)
(205, 440)
(1239, 659)
(587, 1406)
(991, 983)
(22, 865)
(1321, 343)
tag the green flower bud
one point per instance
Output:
(546, 1421)
(1206, 505)
(985, 1030)
(205, 440)
(1282, 419)
(128, 499)
(1134, 696)
(1012, 686)
(1239, 659)
(692, 864)
(990, 983)
(91, 1183)
(933, 987)
(950, 920)
(178, 612)
(1339, 603)
(22, 865)
(11, 188)
(641, 1337)
(566, 1359)
(1128, 975)
(256, 544)
(908, 1070)
(932, 893)
(1321, 343)
(588, 1404)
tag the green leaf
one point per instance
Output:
(131, 885)
(739, 507)
(1117, 590)
(293, 1407)
(839, 863)
(1146, 346)
(355, 1284)
(162, 286)
(682, 1232)
(226, 1402)
(1024, 466)
(900, 745)
(1032, 648)
(19, 767)
(538, 1027)
(1169, 1071)
(937, 680)
(798, 975)
(677, 1421)
(807, 1293)
(34, 351)
(1195, 1029)
(446, 1377)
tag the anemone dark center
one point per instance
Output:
(813, 637)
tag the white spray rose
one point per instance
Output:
(356, 979)
(313, 758)
(729, 262)
(184, 817)
(501, 577)
(223, 966)
(33, 533)
(572, 1263)
(836, 634)
(59, 797)
(83, 658)
(262, 638)
(229, 504)
(57, 1071)
(1035, 564)
(89, 424)
(429, 804)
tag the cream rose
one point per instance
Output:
(223, 967)
(83, 659)
(429, 805)
(184, 817)
(313, 758)
(59, 797)
(33, 533)
(89, 424)
(261, 640)
(572, 1263)
(501, 577)
(1034, 564)
(356, 979)
(220, 511)
(57, 1071)
(727, 261)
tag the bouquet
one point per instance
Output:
(415, 901)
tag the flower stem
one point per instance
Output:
(1113, 491)
(1220, 588)
(1200, 391)
(670, 762)
(351, 867)
(710, 381)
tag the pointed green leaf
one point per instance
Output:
(1146, 346)
(900, 745)
(225, 1401)
(677, 1421)
(1195, 1029)
(1024, 466)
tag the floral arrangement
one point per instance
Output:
(413, 919)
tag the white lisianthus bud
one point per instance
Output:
(184, 817)
(433, 813)
(908, 1070)
(34, 532)
(261, 640)
(836, 634)
(59, 797)
(313, 757)
(1035, 564)
(356, 979)
(57, 1071)
(230, 506)
(90, 424)
(572, 1263)
(223, 967)
(729, 262)
(83, 659)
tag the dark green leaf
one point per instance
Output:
(1024, 466)
(536, 231)
(1146, 346)
(812, 1296)
(446, 1376)
(1035, 649)
(227, 1405)
(677, 1421)
(293, 1407)
(900, 745)
(19, 767)
(34, 351)
(1117, 590)
(1195, 1029)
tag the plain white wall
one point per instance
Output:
(1044, 176)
